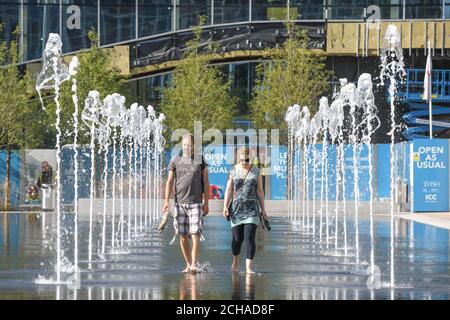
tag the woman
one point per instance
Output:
(245, 186)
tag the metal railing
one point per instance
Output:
(133, 16)
(414, 85)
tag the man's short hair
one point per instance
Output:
(189, 135)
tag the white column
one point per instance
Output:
(21, 18)
(174, 16)
(212, 12)
(136, 30)
(98, 22)
(443, 9)
(404, 9)
(60, 18)
(430, 98)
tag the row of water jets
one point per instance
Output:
(137, 134)
(329, 126)
(133, 136)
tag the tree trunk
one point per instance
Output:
(7, 178)
(23, 173)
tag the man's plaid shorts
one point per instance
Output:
(188, 218)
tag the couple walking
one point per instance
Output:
(191, 197)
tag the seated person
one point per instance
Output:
(46, 176)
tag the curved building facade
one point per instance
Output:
(127, 21)
(149, 36)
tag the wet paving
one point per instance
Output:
(289, 263)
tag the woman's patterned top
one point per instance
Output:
(245, 206)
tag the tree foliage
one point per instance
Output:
(20, 122)
(198, 92)
(293, 75)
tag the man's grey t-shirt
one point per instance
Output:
(188, 179)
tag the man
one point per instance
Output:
(190, 173)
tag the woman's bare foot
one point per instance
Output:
(235, 264)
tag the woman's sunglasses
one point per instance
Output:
(244, 160)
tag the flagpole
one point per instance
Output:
(430, 98)
(431, 119)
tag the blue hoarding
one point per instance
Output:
(384, 171)
(218, 169)
(279, 164)
(325, 172)
(430, 174)
(14, 177)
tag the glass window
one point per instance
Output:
(389, 9)
(354, 9)
(189, 11)
(40, 18)
(263, 10)
(423, 9)
(447, 9)
(241, 77)
(346, 9)
(79, 16)
(228, 11)
(151, 90)
(9, 19)
(307, 9)
(155, 16)
(277, 9)
(117, 21)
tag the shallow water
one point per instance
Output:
(289, 264)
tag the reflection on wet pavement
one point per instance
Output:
(289, 264)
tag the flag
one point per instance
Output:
(427, 80)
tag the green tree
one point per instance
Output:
(294, 75)
(198, 92)
(95, 72)
(20, 121)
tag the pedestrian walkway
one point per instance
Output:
(435, 219)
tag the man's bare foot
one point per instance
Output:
(193, 270)
(186, 270)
